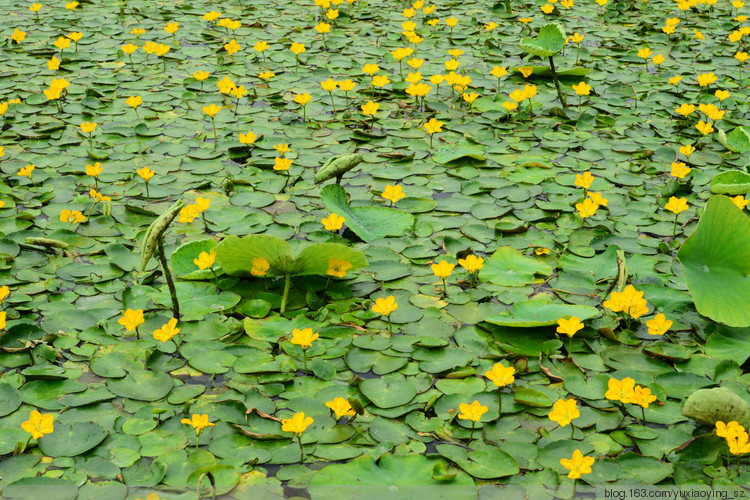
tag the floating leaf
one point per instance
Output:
(508, 267)
(709, 406)
(549, 41)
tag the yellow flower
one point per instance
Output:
(679, 170)
(341, 407)
(88, 127)
(525, 20)
(582, 88)
(510, 106)
(226, 85)
(188, 213)
(138, 32)
(329, 85)
(578, 464)
(569, 326)
(541, 251)
(433, 126)
(98, 196)
(4, 292)
(642, 396)
(473, 411)
(370, 108)
(211, 110)
(134, 101)
(3, 317)
(38, 425)
(401, 53)
(211, 16)
(380, 81)
(620, 390)
(564, 411)
(674, 80)
(171, 28)
(333, 222)
(676, 205)
(500, 374)
(658, 59)
(443, 269)
(385, 306)
(347, 85)
(526, 71)
(413, 77)
(738, 445)
(53, 64)
(370, 69)
(71, 5)
(94, 170)
(62, 43)
(302, 99)
(728, 430)
(131, 319)
(742, 56)
(629, 301)
(332, 14)
(393, 193)
(167, 330)
(35, 7)
(197, 422)
(232, 47)
(248, 138)
(584, 180)
(201, 75)
(587, 208)
(685, 109)
(72, 216)
(491, 26)
(451, 21)
(547, 8)
(26, 171)
(598, 199)
(297, 48)
(303, 338)
(659, 325)
(740, 201)
(162, 49)
(259, 266)
(297, 424)
(338, 267)
(499, 72)
(202, 204)
(129, 48)
(706, 79)
(687, 150)
(280, 163)
(145, 173)
(471, 97)
(722, 94)
(471, 263)
(644, 53)
(18, 36)
(150, 47)
(322, 28)
(205, 260)
(260, 46)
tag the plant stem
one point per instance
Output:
(570, 347)
(674, 229)
(557, 84)
(147, 194)
(499, 403)
(471, 435)
(168, 276)
(643, 416)
(213, 124)
(572, 430)
(390, 325)
(287, 283)
(301, 451)
(304, 360)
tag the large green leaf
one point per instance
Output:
(183, 264)
(733, 182)
(708, 406)
(508, 267)
(142, 385)
(388, 391)
(69, 440)
(399, 477)
(550, 41)
(539, 312)
(236, 255)
(737, 140)
(716, 263)
(369, 223)
(483, 464)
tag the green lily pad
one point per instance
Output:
(70, 440)
(388, 391)
(549, 41)
(731, 183)
(369, 223)
(716, 263)
(708, 406)
(182, 260)
(508, 267)
(142, 385)
(539, 312)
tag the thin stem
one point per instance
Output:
(557, 84)
(643, 415)
(287, 283)
(147, 193)
(499, 403)
(213, 124)
(304, 360)
(332, 103)
(390, 325)
(572, 430)
(471, 435)
(570, 347)
(168, 276)
(301, 451)
(674, 229)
